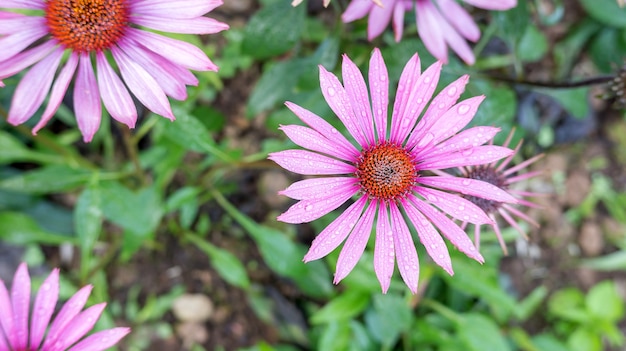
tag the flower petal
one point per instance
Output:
(337, 99)
(493, 5)
(115, 96)
(430, 32)
(101, 340)
(23, 4)
(357, 9)
(197, 25)
(310, 163)
(455, 119)
(14, 22)
(6, 317)
(80, 325)
(87, 106)
(406, 254)
(398, 22)
(460, 19)
(355, 245)
(468, 138)
(58, 90)
(335, 232)
(69, 310)
(379, 19)
(305, 211)
(174, 8)
(45, 302)
(316, 188)
(455, 206)
(429, 237)
(410, 75)
(468, 186)
(384, 256)
(324, 128)
(24, 59)
(449, 229)
(475, 156)
(312, 140)
(20, 40)
(379, 92)
(358, 96)
(20, 300)
(143, 85)
(33, 88)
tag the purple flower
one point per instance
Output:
(69, 326)
(440, 23)
(498, 174)
(152, 66)
(387, 170)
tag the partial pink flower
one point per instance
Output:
(504, 178)
(387, 171)
(298, 2)
(440, 23)
(67, 329)
(152, 66)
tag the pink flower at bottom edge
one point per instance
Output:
(389, 170)
(67, 329)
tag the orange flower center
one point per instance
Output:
(488, 174)
(87, 25)
(386, 171)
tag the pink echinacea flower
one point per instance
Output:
(498, 174)
(387, 171)
(152, 66)
(440, 23)
(67, 329)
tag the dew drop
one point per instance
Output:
(451, 91)
(467, 152)
(427, 79)
(308, 207)
(419, 101)
(334, 131)
(331, 91)
(463, 109)
(426, 139)
(383, 78)
(466, 182)
(442, 106)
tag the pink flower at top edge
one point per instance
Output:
(298, 2)
(152, 66)
(388, 170)
(498, 174)
(64, 333)
(440, 23)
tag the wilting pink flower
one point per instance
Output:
(69, 326)
(152, 66)
(498, 174)
(388, 170)
(440, 23)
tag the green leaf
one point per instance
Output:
(533, 45)
(20, 229)
(342, 308)
(273, 30)
(45, 180)
(527, 307)
(608, 49)
(566, 51)
(568, 304)
(336, 336)
(604, 302)
(226, 264)
(88, 222)
(606, 11)
(583, 339)
(611, 262)
(549, 342)
(498, 108)
(274, 86)
(513, 23)
(480, 333)
(181, 197)
(390, 316)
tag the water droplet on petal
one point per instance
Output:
(426, 139)
(451, 91)
(466, 182)
(467, 152)
(331, 91)
(463, 109)
(308, 207)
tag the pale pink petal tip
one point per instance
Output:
(101, 340)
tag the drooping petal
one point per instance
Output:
(305, 211)
(469, 187)
(459, 19)
(14, 22)
(493, 4)
(58, 90)
(419, 96)
(310, 163)
(455, 206)
(197, 25)
(67, 313)
(115, 96)
(379, 92)
(358, 96)
(336, 232)
(87, 107)
(312, 140)
(316, 188)
(429, 237)
(406, 254)
(20, 40)
(384, 252)
(45, 302)
(355, 245)
(379, 19)
(20, 300)
(357, 9)
(177, 51)
(25, 59)
(33, 88)
(23, 4)
(398, 22)
(174, 8)
(429, 30)
(337, 99)
(475, 156)
(321, 126)
(101, 340)
(143, 85)
(449, 229)
(457, 42)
